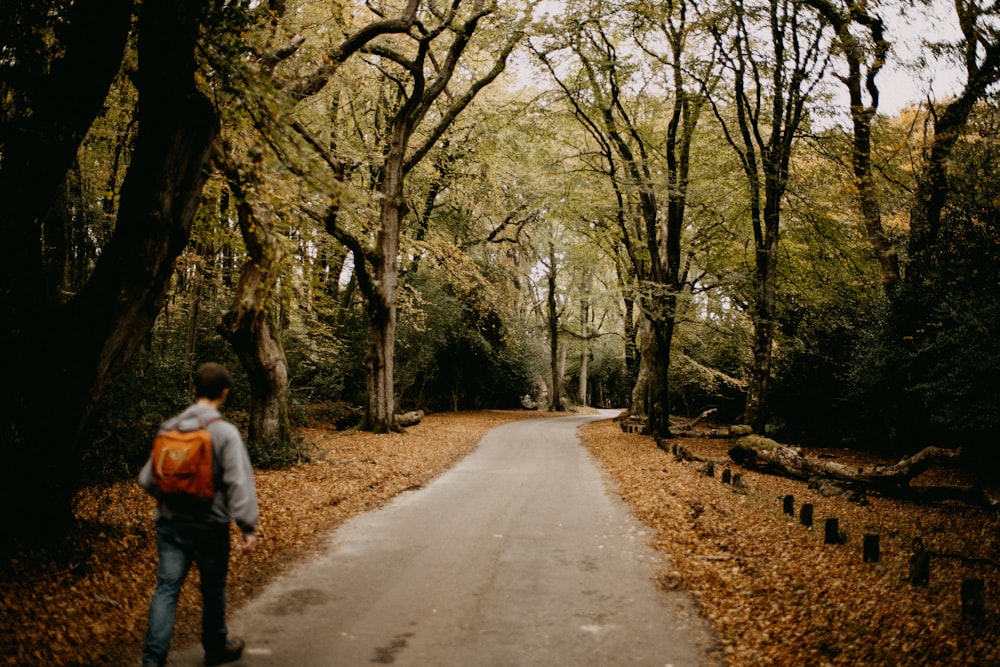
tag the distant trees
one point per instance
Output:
(597, 80)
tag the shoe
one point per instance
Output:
(231, 652)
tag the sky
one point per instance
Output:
(900, 88)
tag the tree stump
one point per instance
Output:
(788, 505)
(871, 553)
(727, 476)
(974, 600)
(806, 515)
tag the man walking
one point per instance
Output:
(190, 530)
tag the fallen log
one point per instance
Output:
(410, 418)
(684, 428)
(766, 455)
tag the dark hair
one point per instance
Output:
(210, 380)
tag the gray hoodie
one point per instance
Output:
(236, 498)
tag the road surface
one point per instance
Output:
(522, 554)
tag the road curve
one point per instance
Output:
(522, 554)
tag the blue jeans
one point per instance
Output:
(180, 544)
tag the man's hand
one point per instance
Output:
(249, 543)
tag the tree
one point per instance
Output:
(865, 59)
(771, 82)
(428, 74)
(63, 352)
(598, 96)
(249, 324)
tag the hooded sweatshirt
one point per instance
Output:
(235, 496)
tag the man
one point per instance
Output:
(198, 532)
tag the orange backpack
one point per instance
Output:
(182, 463)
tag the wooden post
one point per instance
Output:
(974, 600)
(806, 515)
(727, 476)
(831, 531)
(710, 469)
(738, 481)
(871, 549)
(789, 505)
(920, 564)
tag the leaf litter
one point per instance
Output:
(776, 594)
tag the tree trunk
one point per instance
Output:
(758, 453)
(379, 416)
(639, 409)
(585, 353)
(555, 396)
(247, 326)
(763, 323)
(69, 354)
(657, 351)
(380, 296)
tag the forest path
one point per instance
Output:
(521, 554)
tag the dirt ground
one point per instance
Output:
(775, 592)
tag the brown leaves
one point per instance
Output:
(92, 611)
(777, 594)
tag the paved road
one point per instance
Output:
(519, 555)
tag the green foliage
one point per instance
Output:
(151, 389)
(929, 360)
(609, 381)
(454, 351)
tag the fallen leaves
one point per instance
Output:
(776, 593)
(92, 611)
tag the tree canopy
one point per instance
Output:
(373, 207)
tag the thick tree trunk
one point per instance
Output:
(61, 358)
(248, 329)
(639, 410)
(381, 305)
(248, 325)
(380, 416)
(658, 380)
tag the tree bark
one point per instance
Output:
(581, 390)
(67, 354)
(380, 295)
(555, 372)
(758, 453)
(248, 324)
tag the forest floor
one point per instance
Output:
(774, 591)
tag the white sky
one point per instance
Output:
(900, 88)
